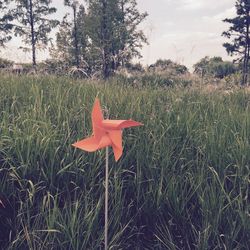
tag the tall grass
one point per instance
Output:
(182, 183)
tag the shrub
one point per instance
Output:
(214, 67)
(167, 66)
(5, 63)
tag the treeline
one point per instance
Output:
(99, 36)
(164, 72)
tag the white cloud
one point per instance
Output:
(190, 4)
(184, 47)
(168, 24)
(228, 13)
(202, 4)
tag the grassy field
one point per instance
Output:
(182, 183)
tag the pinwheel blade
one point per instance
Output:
(97, 118)
(116, 139)
(120, 124)
(92, 144)
(117, 152)
(89, 144)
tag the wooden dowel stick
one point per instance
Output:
(106, 198)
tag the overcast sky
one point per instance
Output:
(181, 30)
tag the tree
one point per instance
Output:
(103, 38)
(62, 50)
(112, 28)
(71, 41)
(78, 30)
(5, 25)
(33, 25)
(239, 33)
(74, 6)
(130, 39)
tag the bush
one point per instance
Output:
(5, 63)
(214, 67)
(168, 66)
(55, 67)
(222, 69)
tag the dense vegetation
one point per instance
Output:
(182, 183)
(215, 67)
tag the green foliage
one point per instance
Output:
(134, 67)
(33, 25)
(222, 69)
(239, 32)
(104, 38)
(72, 35)
(5, 25)
(5, 63)
(238, 28)
(54, 67)
(214, 67)
(182, 183)
(64, 45)
(168, 66)
(154, 81)
(72, 43)
(201, 67)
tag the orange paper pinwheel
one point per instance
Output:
(105, 132)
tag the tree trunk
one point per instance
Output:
(114, 61)
(77, 61)
(248, 48)
(246, 54)
(247, 66)
(105, 52)
(122, 59)
(243, 81)
(33, 39)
